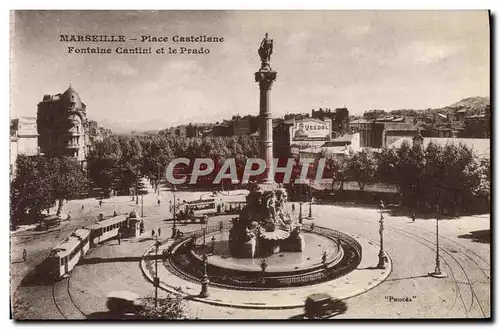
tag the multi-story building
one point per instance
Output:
(481, 147)
(97, 134)
(308, 133)
(23, 139)
(24, 129)
(370, 132)
(63, 126)
(378, 133)
(246, 125)
(478, 125)
(339, 118)
(13, 155)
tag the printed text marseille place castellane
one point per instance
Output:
(71, 38)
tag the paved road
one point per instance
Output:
(408, 291)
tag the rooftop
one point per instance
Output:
(480, 146)
(111, 221)
(71, 242)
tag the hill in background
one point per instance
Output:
(472, 102)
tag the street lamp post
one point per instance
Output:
(136, 190)
(310, 201)
(437, 270)
(159, 180)
(142, 205)
(300, 205)
(156, 279)
(204, 280)
(300, 212)
(381, 254)
(174, 228)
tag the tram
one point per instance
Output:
(68, 253)
(201, 207)
(107, 229)
(48, 222)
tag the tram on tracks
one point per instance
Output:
(68, 253)
(201, 207)
(107, 229)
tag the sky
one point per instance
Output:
(359, 59)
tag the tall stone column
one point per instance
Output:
(265, 77)
(265, 80)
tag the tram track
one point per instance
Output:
(457, 282)
(64, 302)
(464, 253)
(431, 245)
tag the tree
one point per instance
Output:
(403, 168)
(67, 179)
(41, 181)
(156, 156)
(388, 167)
(336, 167)
(31, 190)
(103, 162)
(172, 307)
(362, 167)
(452, 178)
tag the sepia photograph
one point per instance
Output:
(250, 165)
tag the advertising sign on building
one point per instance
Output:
(311, 129)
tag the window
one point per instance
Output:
(73, 253)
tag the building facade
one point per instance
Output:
(309, 133)
(25, 130)
(13, 156)
(339, 118)
(63, 126)
(23, 139)
(381, 133)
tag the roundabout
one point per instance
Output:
(347, 271)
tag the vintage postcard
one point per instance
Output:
(293, 165)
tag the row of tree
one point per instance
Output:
(117, 162)
(450, 178)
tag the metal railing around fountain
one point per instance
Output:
(185, 265)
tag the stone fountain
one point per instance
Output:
(264, 226)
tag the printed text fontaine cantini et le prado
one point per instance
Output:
(188, 45)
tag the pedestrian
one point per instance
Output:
(159, 202)
(100, 203)
(159, 231)
(152, 232)
(25, 255)
(119, 238)
(413, 217)
(293, 207)
(83, 207)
